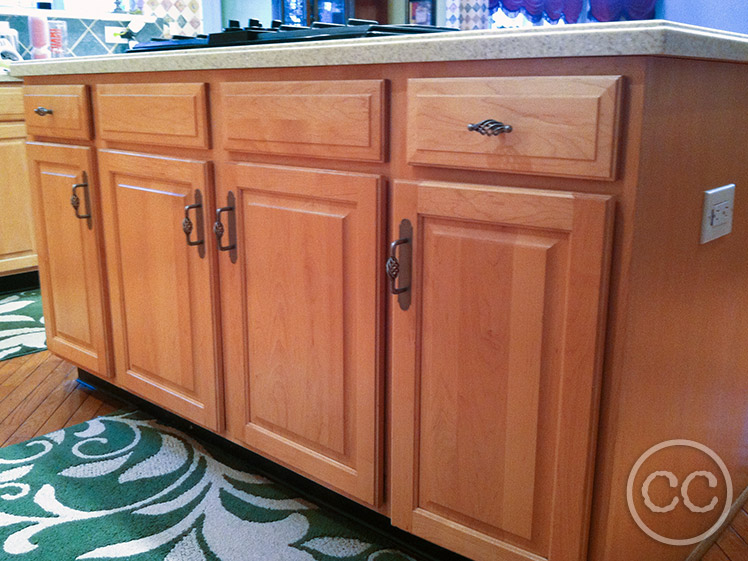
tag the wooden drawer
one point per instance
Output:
(162, 114)
(561, 125)
(11, 103)
(340, 119)
(70, 116)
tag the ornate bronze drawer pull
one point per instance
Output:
(188, 226)
(75, 200)
(219, 229)
(392, 267)
(490, 127)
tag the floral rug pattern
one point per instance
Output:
(21, 324)
(126, 487)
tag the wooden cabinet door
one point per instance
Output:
(70, 258)
(17, 251)
(163, 291)
(301, 305)
(495, 367)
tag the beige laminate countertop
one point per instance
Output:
(6, 78)
(651, 37)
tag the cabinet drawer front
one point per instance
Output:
(341, 119)
(162, 114)
(561, 125)
(70, 115)
(11, 104)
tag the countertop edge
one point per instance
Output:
(650, 38)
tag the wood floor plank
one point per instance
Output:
(7, 367)
(108, 408)
(25, 370)
(48, 400)
(715, 554)
(59, 419)
(733, 545)
(47, 389)
(740, 524)
(13, 396)
(39, 394)
(86, 411)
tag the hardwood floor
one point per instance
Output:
(39, 394)
(732, 545)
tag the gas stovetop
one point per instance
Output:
(256, 34)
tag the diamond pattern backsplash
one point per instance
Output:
(468, 14)
(85, 36)
(180, 17)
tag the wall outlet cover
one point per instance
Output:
(716, 220)
(111, 34)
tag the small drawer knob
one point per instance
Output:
(42, 111)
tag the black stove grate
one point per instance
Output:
(256, 34)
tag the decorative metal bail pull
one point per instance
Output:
(490, 127)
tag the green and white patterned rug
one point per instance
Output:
(126, 487)
(21, 324)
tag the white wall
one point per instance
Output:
(730, 15)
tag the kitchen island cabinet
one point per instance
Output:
(494, 366)
(70, 262)
(302, 322)
(17, 245)
(161, 273)
(518, 387)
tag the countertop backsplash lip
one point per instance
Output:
(650, 37)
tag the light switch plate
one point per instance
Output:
(716, 220)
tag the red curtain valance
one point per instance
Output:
(570, 10)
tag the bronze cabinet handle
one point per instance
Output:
(188, 226)
(392, 267)
(489, 127)
(219, 229)
(42, 111)
(75, 201)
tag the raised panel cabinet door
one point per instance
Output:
(17, 247)
(162, 289)
(70, 254)
(302, 320)
(495, 367)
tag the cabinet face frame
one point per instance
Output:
(346, 454)
(585, 222)
(146, 196)
(53, 168)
